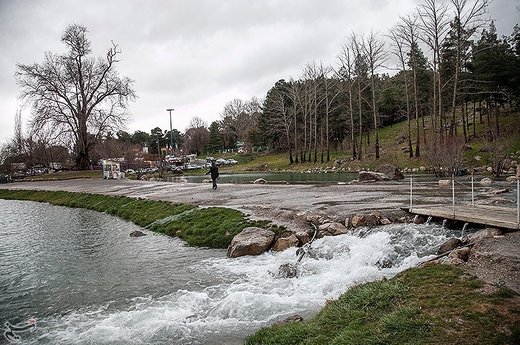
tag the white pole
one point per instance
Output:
(453, 193)
(411, 193)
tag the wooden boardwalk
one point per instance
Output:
(501, 217)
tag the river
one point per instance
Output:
(86, 281)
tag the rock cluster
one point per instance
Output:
(386, 172)
(255, 241)
(459, 251)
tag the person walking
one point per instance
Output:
(213, 170)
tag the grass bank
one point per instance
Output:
(434, 304)
(212, 227)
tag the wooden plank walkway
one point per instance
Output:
(501, 217)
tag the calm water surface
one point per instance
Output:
(87, 282)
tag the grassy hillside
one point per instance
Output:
(393, 141)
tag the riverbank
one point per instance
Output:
(483, 306)
(211, 227)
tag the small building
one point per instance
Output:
(112, 170)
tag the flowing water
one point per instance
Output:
(87, 282)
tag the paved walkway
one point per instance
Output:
(257, 200)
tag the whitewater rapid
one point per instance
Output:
(245, 293)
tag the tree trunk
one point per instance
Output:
(416, 106)
(82, 149)
(360, 154)
(464, 123)
(375, 117)
(352, 131)
(474, 121)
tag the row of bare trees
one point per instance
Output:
(358, 98)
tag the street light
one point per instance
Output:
(171, 134)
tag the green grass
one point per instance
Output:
(434, 304)
(212, 227)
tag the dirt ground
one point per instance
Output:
(494, 260)
(497, 261)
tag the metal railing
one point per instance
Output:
(454, 182)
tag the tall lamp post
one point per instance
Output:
(171, 134)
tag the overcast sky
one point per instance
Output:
(195, 55)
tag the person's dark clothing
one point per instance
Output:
(213, 170)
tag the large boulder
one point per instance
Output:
(287, 240)
(303, 236)
(449, 245)
(461, 253)
(486, 181)
(444, 183)
(250, 241)
(332, 229)
(317, 218)
(391, 171)
(365, 176)
(370, 220)
(484, 233)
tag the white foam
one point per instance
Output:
(250, 295)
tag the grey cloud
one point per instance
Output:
(195, 55)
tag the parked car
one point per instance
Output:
(193, 167)
(175, 169)
(221, 161)
(130, 171)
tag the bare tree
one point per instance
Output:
(396, 36)
(280, 117)
(346, 73)
(196, 136)
(293, 93)
(239, 118)
(446, 157)
(376, 56)
(360, 74)
(313, 78)
(331, 93)
(408, 31)
(468, 19)
(80, 97)
(434, 25)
